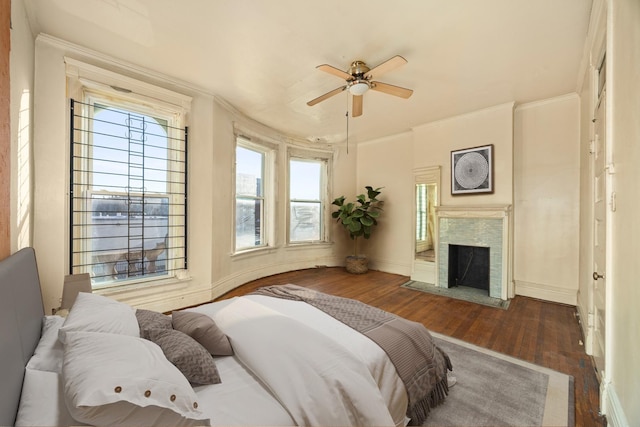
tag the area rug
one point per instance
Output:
(493, 389)
(465, 293)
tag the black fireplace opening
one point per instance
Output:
(469, 266)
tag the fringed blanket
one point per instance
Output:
(421, 365)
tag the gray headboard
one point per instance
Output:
(21, 312)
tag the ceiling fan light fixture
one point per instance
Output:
(359, 87)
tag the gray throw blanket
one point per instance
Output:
(421, 365)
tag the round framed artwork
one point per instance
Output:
(472, 170)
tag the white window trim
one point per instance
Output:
(326, 157)
(269, 151)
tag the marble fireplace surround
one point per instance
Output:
(484, 226)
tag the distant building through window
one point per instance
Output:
(307, 199)
(253, 164)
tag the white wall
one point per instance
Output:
(623, 322)
(547, 199)
(212, 268)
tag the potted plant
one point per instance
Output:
(358, 218)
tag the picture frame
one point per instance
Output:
(472, 170)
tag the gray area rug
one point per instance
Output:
(465, 293)
(493, 389)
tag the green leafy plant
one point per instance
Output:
(359, 217)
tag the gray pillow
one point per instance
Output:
(203, 329)
(193, 360)
(148, 319)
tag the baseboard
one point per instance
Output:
(614, 412)
(587, 328)
(547, 292)
(232, 281)
(390, 266)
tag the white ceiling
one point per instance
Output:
(260, 56)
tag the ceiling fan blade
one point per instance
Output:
(336, 72)
(386, 66)
(326, 95)
(356, 107)
(391, 89)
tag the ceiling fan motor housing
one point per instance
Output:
(358, 70)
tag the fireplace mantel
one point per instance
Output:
(481, 225)
(481, 211)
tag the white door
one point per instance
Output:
(602, 200)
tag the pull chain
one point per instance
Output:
(347, 114)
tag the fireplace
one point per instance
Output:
(487, 230)
(469, 266)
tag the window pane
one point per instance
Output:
(249, 172)
(129, 151)
(305, 222)
(305, 178)
(248, 223)
(128, 237)
(306, 200)
(421, 212)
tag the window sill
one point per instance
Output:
(247, 253)
(308, 245)
(180, 281)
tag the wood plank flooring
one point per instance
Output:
(544, 333)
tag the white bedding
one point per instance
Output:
(318, 371)
(383, 401)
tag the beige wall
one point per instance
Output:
(387, 163)
(22, 60)
(212, 267)
(547, 199)
(390, 162)
(5, 132)
(433, 143)
(537, 167)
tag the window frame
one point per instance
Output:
(267, 220)
(325, 160)
(90, 84)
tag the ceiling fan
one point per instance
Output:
(359, 80)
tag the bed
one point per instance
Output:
(276, 357)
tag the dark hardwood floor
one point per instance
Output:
(541, 332)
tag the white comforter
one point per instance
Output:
(322, 372)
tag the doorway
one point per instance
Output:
(601, 196)
(426, 188)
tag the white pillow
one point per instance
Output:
(42, 401)
(48, 353)
(95, 313)
(118, 380)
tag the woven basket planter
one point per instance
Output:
(357, 264)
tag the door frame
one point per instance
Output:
(422, 270)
